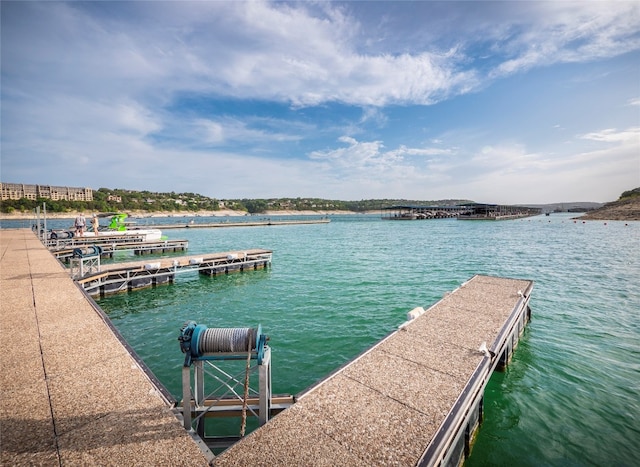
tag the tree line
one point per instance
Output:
(116, 200)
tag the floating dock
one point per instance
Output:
(138, 248)
(101, 280)
(69, 242)
(71, 390)
(415, 398)
(74, 393)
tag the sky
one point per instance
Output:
(497, 102)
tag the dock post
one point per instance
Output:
(264, 370)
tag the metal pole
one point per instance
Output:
(264, 375)
(44, 233)
(198, 382)
(38, 221)
(186, 397)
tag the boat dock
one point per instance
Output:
(72, 392)
(101, 280)
(415, 398)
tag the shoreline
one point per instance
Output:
(618, 211)
(181, 214)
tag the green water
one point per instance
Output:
(571, 395)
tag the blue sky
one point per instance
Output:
(499, 102)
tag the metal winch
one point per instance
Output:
(217, 387)
(87, 251)
(201, 343)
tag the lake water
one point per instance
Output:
(571, 395)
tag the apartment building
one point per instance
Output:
(21, 190)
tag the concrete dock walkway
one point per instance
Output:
(411, 399)
(71, 393)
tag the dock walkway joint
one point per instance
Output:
(405, 401)
(71, 393)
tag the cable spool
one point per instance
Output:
(87, 251)
(197, 341)
(64, 234)
(216, 340)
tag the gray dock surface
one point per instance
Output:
(181, 260)
(386, 407)
(71, 394)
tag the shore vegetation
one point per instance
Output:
(119, 200)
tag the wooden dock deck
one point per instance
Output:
(413, 399)
(71, 393)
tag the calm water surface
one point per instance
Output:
(571, 395)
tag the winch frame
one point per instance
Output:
(207, 365)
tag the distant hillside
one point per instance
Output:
(626, 208)
(115, 200)
(578, 206)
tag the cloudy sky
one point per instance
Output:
(498, 102)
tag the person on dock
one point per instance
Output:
(95, 223)
(80, 223)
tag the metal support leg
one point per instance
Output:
(198, 382)
(264, 371)
(186, 397)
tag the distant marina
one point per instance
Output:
(466, 211)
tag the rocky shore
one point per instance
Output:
(622, 210)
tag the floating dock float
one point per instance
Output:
(415, 398)
(122, 277)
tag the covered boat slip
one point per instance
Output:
(413, 399)
(71, 392)
(466, 211)
(413, 212)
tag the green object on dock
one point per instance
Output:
(118, 222)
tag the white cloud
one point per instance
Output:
(562, 32)
(212, 132)
(228, 130)
(305, 54)
(135, 118)
(612, 135)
